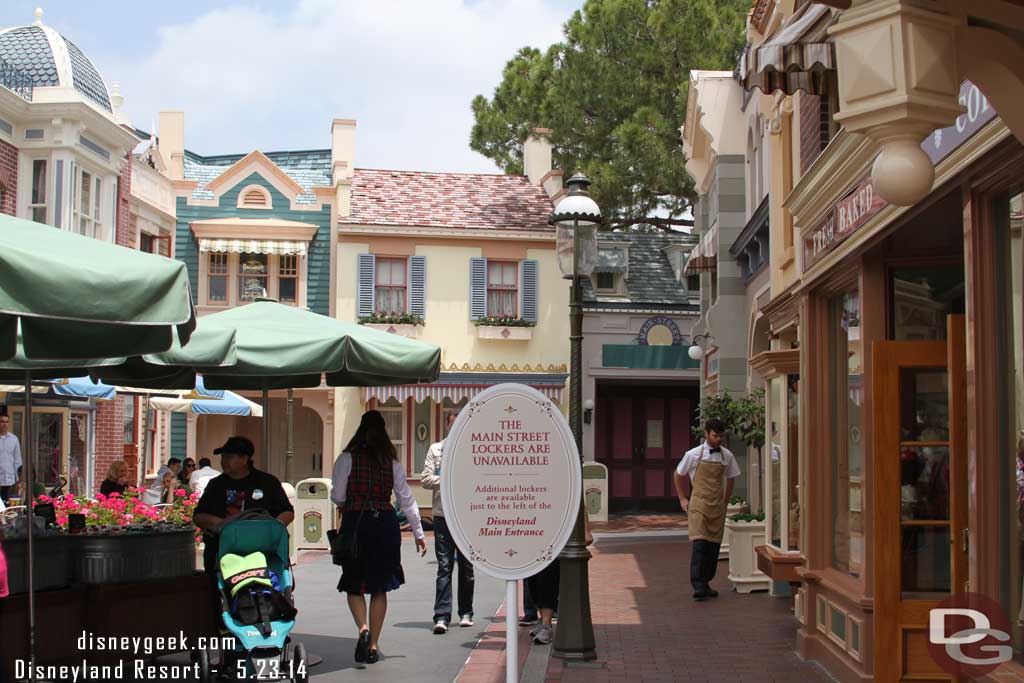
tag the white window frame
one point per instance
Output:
(400, 444)
(234, 271)
(378, 260)
(100, 221)
(517, 290)
(47, 188)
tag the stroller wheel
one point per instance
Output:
(300, 670)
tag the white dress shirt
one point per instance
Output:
(10, 459)
(688, 465)
(339, 483)
(198, 480)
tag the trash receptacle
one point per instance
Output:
(289, 491)
(315, 511)
(595, 491)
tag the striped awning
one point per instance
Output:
(439, 392)
(704, 257)
(253, 246)
(798, 57)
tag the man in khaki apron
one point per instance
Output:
(704, 482)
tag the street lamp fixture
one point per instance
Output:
(576, 219)
(696, 350)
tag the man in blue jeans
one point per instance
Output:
(444, 548)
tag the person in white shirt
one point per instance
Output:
(365, 475)
(201, 477)
(152, 494)
(704, 481)
(10, 460)
(444, 548)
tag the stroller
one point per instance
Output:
(255, 584)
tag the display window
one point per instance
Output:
(846, 428)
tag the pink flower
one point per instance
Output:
(115, 494)
(179, 493)
(44, 499)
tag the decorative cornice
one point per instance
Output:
(844, 162)
(451, 233)
(770, 364)
(515, 367)
(760, 15)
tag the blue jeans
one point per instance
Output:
(529, 608)
(447, 554)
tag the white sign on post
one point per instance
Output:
(510, 486)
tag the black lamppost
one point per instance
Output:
(576, 219)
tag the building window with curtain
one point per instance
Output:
(393, 412)
(130, 425)
(37, 198)
(88, 206)
(502, 289)
(390, 286)
(253, 274)
(846, 380)
(288, 279)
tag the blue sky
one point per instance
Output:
(270, 75)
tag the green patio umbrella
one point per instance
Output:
(284, 347)
(68, 302)
(78, 297)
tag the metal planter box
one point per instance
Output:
(133, 557)
(51, 563)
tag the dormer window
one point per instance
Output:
(254, 197)
(612, 268)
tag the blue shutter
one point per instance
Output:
(367, 274)
(528, 290)
(418, 285)
(477, 288)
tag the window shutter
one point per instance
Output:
(477, 288)
(528, 290)
(367, 273)
(418, 285)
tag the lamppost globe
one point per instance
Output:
(696, 352)
(576, 219)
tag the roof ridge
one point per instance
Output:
(465, 173)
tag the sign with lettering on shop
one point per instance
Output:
(511, 481)
(848, 214)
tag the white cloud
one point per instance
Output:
(248, 78)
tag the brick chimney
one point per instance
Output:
(171, 131)
(537, 162)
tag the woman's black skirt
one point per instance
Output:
(378, 568)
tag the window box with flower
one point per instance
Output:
(402, 324)
(504, 328)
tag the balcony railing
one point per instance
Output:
(16, 80)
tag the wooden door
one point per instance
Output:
(919, 453)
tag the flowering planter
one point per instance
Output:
(723, 553)
(52, 554)
(510, 333)
(743, 571)
(122, 558)
(401, 329)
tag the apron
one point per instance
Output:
(707, 501)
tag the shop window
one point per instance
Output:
(793, 459)
(253, 273)
(390, 286)
(922, 298)
(288, 279)
(776, 389)
(78, 454)
(217, 278)
(130, 425)
(37, 198)
(447, 408)
(393, 412)
(502, 289)
(1009, 211)
(846, 381)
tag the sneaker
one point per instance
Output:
(543, 635)
(440, 627)
(528, 620)
(467, 620)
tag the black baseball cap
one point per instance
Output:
(237, 444)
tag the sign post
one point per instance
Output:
(511, 486)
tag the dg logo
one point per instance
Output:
(969, 635)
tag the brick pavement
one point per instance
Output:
(648, 628)
(627, 523)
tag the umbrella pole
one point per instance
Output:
(27, 496)
(266, 429)
(289, 454)
(145, 443)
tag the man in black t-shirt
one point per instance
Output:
(241, 487)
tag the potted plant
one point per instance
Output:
(403, 324)
(746, 532)
(504, 328)
(737, 505)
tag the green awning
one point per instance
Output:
(642, 357)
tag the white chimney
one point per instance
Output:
(343, 149)
(537, 155)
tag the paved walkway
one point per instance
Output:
(648, 628)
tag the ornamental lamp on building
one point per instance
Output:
(696, 350)
(576, 219)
